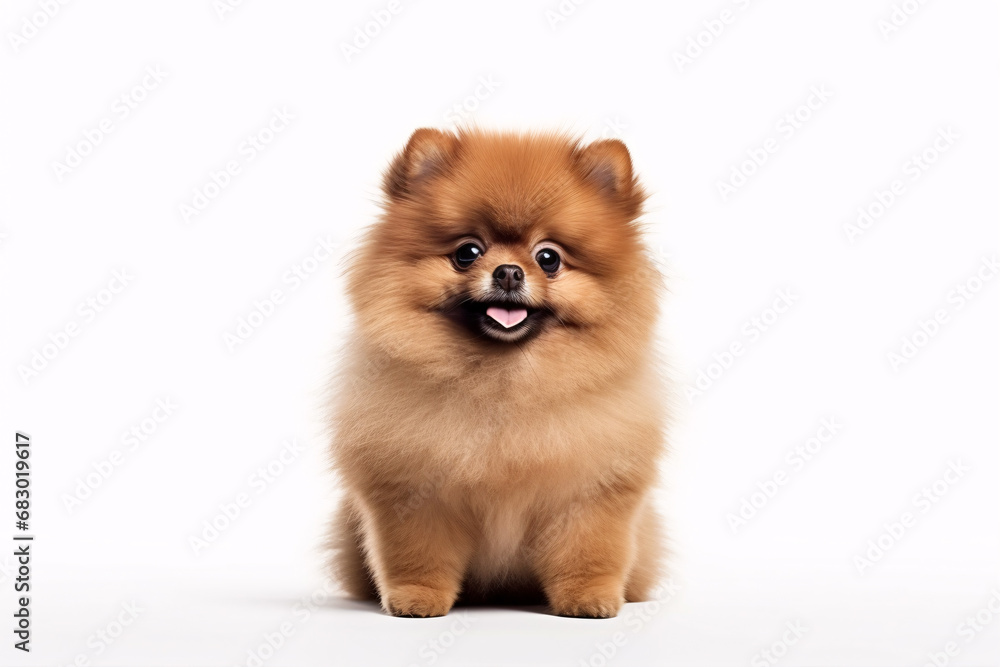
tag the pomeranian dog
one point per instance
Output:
(498, 418)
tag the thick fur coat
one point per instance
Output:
(484, 460)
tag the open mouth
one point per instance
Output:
(502, 320)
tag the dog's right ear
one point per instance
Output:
(427, 153)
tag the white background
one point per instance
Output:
(607, 69)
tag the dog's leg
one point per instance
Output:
(419, 557)
(583, 555)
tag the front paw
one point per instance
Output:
(587, 600)
(417, 600)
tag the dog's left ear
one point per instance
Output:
(607, 165)
(427, 153)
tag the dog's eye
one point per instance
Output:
(467, 254)
(548, 259)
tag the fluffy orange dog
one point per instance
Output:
(498, 420)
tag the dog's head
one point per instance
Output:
(499, 247)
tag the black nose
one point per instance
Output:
(508, 277)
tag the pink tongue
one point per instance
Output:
(507, 318)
